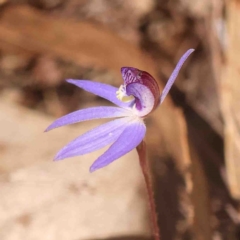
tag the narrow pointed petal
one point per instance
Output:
(89, 114)
(128, 140)
(174, 74)
(94, 139)
(100, 89)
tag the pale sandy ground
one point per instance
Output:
(45, 200)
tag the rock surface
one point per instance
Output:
(42, 199)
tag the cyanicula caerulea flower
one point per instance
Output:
(135, 99)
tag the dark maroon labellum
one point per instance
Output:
(133, 75)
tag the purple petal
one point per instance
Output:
(89, 114)
(128, 140)
(94, 139)
(100, 89)
(174, 74)
(144, 98)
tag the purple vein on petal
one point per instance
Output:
(174, 74)
(89, 114)
(94, 139)
(128, 140)
(100, 89)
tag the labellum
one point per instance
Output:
(140, 88)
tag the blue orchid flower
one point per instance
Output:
(135, 99)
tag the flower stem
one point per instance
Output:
(142, 153)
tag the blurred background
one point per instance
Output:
(193, 139)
